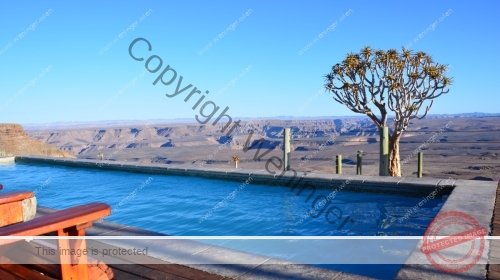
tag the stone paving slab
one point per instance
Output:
(410, 181)
(475, 199)
(7, 159)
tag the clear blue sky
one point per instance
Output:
(80, 80)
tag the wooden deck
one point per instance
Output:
(160, 271)
(494, 257)
(46, 268)
(151, 268)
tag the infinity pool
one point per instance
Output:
(192, 206)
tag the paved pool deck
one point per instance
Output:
(474, 198)
(166, 263)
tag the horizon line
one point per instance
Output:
(189, 120)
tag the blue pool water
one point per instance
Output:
(192, 206)
(179, 205)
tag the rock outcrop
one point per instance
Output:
(14, 141)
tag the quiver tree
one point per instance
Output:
(235, 159)
(388, 80)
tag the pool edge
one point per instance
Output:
(354, 183)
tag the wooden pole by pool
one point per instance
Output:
(359, 162)
(420, 164)
(384, 151)
(286, 149)
(339, 164)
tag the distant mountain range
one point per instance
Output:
(122, 123)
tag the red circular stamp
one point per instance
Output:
(454, 242)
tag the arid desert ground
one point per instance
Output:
(457, 146)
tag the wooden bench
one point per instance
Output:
(69, 222)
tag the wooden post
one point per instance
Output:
(286, 149)
(339, 164)
(359, 162)
(72, 266)
(420, 164)
(384, 151)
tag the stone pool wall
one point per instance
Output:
(407, 186)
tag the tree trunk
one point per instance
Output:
(394, 161)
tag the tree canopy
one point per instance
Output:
(400, 82)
